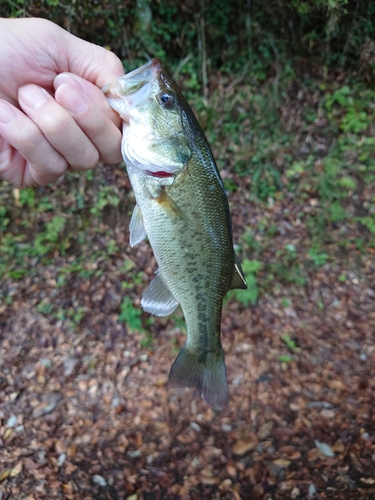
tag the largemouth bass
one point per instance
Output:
(183, 210)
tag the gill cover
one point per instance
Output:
(153, 137)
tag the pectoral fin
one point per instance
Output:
(158, 299)
(171, 205)
(238, 277)
(137, 227)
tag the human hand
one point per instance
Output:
(53, 115)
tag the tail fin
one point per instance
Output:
(206, 373)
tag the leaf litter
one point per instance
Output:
(85, 407)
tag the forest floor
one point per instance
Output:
(85, 407)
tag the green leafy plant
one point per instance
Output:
(4, 220)
(75, 315)
(44, 307)
(285, 358)
(286, 267)
(130, 315)
(319, 258)
(285, 302)
(27, 197)
(48, 239)
(288, 341)
(368, 222)
(249, 296)
(106, 197)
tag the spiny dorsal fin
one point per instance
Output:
(238, 277)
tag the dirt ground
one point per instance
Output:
(86, 413)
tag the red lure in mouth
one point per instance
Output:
(160, 174)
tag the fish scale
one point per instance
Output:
(185, 215)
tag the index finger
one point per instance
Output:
(90, 90)
(91, 111)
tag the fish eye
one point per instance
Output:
(166, 99)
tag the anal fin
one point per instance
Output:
(158, 299)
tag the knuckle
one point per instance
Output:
(29, 136)
(86, 159)
(59, 167)
(112, 157)
(53, 125)
(52, 169)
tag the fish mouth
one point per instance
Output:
(133, 87)
(135, 80)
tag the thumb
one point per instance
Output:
(91, 62)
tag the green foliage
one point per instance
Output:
(295, 171)
(27, 197)
(285, 358)
(47, 240)
(246, 131)
(44, 307)
(249, 296)
(348, 165)
(147, 340)
(348, 183)
(90, 363)
(250, 242)
(130, 315)
(15, 250)
(76, 315)
(319, 258)
(53, 229)
(71, 316)
(106, 197)
(355, 121)
(4, 220)
(288, 341)
(244, 58)
(215, 35)
(286, 267)
(355, 118)
(369, 222)
(40, 223)
(80, 266)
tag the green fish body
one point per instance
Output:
(183, 209)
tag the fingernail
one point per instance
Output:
(33, 96)
(72, 99)
(7, 113)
